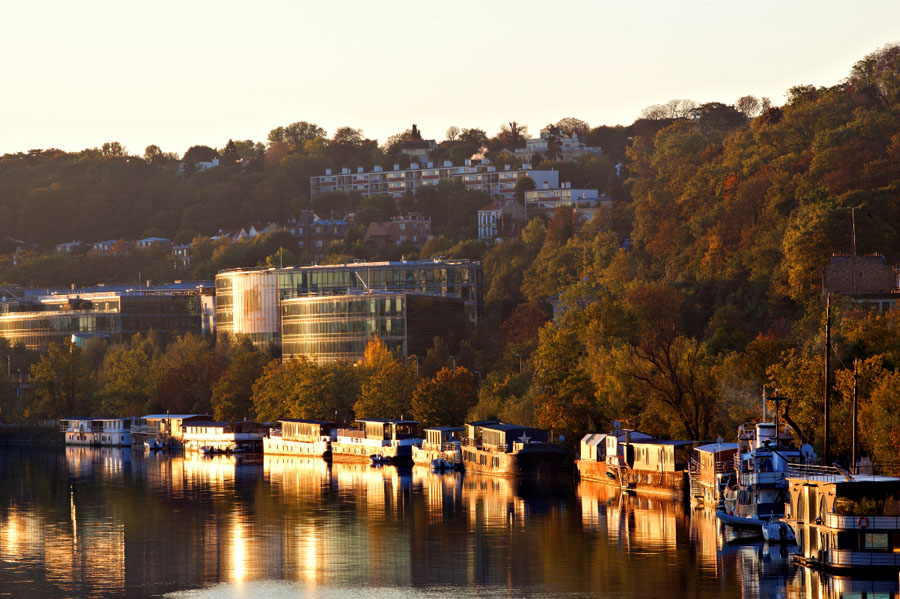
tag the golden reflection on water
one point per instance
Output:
(134, 523)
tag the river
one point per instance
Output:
(84, 522)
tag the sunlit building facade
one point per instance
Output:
(39, 321)
(337, 328)
(249, 301)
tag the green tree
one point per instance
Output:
(445, 399)
(232, 393)
(126, 382)
(387, 383)
(62, 384)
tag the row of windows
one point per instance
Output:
(65, 323)
(329, 350)
(364, 327)
(345, 307)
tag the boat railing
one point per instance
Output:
(352, 433)
(694, 467)
(862, 522)
(813, 470)
(469, 442)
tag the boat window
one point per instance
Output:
(876, 542)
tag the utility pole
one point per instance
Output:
(853, 422)
(853, 258)
(827, 372)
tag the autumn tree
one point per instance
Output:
(62, 383)
(232, 392)
(387, 383)
(445, 399)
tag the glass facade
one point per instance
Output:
(337, 328)
(38, 324)
(242, 311)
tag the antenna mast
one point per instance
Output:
(827, 370)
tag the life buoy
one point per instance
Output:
(863, 521)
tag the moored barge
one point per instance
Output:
(511, 450)
(376, 439)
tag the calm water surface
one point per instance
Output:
(86, 522)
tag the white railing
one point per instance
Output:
(855, 522)
(845, 557)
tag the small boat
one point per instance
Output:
(153, 444)
(778, 531)
(208, 450)
(441, 464)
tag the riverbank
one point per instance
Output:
(22, 434)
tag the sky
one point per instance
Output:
(74, 75)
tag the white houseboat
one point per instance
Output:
(511, 450)
(377, 439)
(844, 523)
(440, 443)
(301, 437)
(164, 429)
(759, 492)
(208, 436)
(105, 432)
(711, 472)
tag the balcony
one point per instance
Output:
(863, 559)
(851, 522)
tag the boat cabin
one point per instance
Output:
(659, 455)
(593, 447)
(388, 430)
(309, 431)
(845, 522)
(473, 430)
(619, 449)
(504, 437)
(168, 425)
(713, 460)
(443, 438)
(80, 425)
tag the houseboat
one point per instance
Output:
(163, 430)
(440, 448)
(377, 440)
(511, 450)
(595, 453)
(759, 489)
(844, 523)
(207, 436)
(301, 437)
(103, 432)
(635, 462)
(711, 472)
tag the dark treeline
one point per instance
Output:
(673, 308)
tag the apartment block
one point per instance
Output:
(499, 184)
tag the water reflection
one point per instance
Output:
(89, 522)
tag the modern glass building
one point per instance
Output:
(337, 328)
(248, 301)
(38, 322)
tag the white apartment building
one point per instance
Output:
(586, 202)
(499, 184)
(571, 147)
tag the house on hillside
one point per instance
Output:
(867, 279)
(500, 219)
(413, 228)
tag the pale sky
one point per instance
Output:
(176, 74)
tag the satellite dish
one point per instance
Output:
(562, 438)
(617, 426)
(808, 452)
(719, 440)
